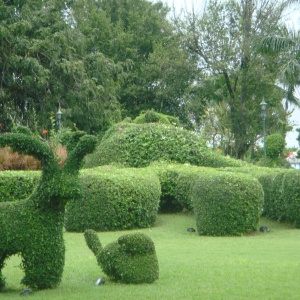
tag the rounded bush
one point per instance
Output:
(138, 145)
(114, 199)
(226, 203)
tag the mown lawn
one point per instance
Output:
(257, 266)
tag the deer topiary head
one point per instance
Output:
(37, 230)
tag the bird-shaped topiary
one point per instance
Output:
(130, 259)
(33, 227)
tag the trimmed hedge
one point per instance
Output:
(130, 259)
(271, 181)
(15, 185)
(138, 145)
(114, 199)
(176, 182)
(226, 203)
(291, 196)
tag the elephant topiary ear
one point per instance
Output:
(21, 129)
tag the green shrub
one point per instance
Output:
(138, 145)
(176, 181)
(114, 199)
(291, 196)
(15, 185)
(271, 181)
(275, 144)
(130, 259)
(226, 203)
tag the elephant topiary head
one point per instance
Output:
(130, 259)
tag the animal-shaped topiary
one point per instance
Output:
(33, 227)
(130, 259)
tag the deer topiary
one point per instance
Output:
(33, 227)
(130, 259)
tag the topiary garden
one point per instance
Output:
(137, 170)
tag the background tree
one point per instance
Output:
(223, 38)
(138, 35)
(45, 62)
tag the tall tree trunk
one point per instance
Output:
(239, 123)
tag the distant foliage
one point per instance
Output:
(275, 144)
(226, 203)
(138, 145)
(151, 116)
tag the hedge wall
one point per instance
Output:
(114, 199)
(271, 181)
(176, 181)
(16, 185)
(226, 203)
(291, 196)
(138, 145)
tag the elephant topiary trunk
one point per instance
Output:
(130, 259)
(33, 227)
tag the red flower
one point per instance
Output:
(44, 132)
(120, 128)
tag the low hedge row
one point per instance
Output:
(226, 203)
(109, 200)
(114, 199)
(281, 192)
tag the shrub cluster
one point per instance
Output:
(114, 199)
(226, 203)
(138, 145)
(130, 259)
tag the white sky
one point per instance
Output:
(294, 22)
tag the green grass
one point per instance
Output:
(257, 266)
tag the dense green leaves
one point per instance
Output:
(137, 145)
(226, 203)
(114, 200)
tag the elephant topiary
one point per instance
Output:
(130, 259)
(33, 227)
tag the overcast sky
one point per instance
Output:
(293, 21)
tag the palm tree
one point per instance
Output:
(287, 47)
